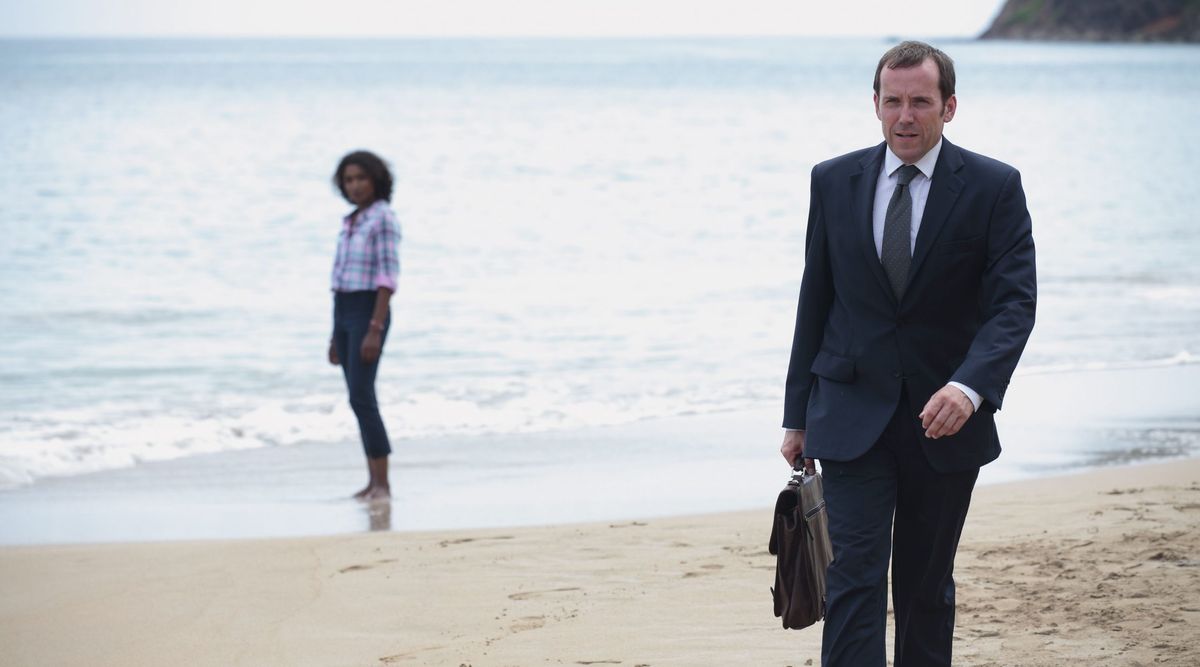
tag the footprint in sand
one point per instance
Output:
(367, 566)
(405, 657)
(527, 623)
(465, 540)
(526, 595)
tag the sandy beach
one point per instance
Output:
(1099, 568)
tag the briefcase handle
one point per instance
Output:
(799, 469)
(799, 472)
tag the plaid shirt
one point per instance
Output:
(368, 251)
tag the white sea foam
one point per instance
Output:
(1181, 359)
(105, 437)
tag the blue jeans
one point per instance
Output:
(351, 321)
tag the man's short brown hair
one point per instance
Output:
(912, 54)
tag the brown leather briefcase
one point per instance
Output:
(800, 543)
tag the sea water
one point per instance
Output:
(595, 231)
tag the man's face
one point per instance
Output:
(911, 109)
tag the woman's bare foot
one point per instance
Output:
(377, 488)
(377, 494)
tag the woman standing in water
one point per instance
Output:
(365, 270)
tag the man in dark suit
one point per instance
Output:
(917, 299)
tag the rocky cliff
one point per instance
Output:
(1098, 20)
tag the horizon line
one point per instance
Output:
(462, 36)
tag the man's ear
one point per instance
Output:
(949, 109)
(875, 102)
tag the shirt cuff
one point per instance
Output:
(976, 399)
(386, 281)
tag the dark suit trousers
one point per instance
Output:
(892, 478)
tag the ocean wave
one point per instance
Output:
(116, 434)
(1183, 358)
(108, 436)
(76, 442)
(66, 443)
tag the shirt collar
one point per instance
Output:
(349, 217)
(926, 164)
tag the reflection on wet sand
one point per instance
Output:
(1127, 446)
(379, 515)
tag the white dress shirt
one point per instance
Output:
(918, 188)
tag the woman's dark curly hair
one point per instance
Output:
(377, 170)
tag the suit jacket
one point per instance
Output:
(965, 316)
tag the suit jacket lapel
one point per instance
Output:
(862, 206)
(943, 192)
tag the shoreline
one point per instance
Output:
(1098, 568)
(1051, 424)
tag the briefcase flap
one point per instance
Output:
(812, 494)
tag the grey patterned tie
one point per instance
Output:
(896, 254)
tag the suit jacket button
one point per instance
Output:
(896, 375)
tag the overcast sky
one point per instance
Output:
(942, 18)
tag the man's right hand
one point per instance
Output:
(793, 448)
(333, 358)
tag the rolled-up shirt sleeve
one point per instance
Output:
(387, 252)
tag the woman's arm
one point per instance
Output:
(387, 273)
(372, 343)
